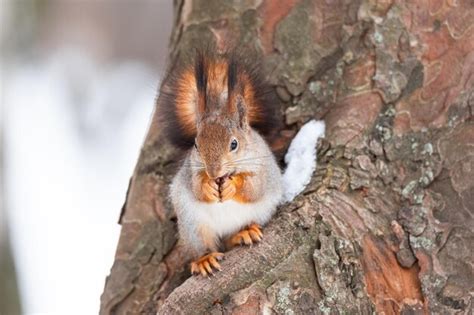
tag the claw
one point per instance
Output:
(248, 236)
(254, 235)
(206, 264)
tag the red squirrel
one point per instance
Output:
(219, 109)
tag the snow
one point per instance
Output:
(73, 131)
(301, 159)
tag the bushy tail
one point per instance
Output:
(301, 159)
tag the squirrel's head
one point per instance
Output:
(220, 145)
(222, 124)
(217, 103)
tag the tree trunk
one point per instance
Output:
(386, 223)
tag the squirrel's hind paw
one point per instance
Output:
(248, 236)
(206, 264)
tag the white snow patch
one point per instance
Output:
(301, 159)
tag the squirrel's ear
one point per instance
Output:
(242, 112)
(201, 75)
(235, 101)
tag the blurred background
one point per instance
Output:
(78, 80)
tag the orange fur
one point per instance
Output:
(185, 103)
(238, 180)
(187, 96)
(249, 97)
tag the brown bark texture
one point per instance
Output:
(386, 223)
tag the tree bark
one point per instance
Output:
(386, 223)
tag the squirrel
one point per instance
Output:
(219, 109)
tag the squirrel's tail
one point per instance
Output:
(301, 159)
(189, 80)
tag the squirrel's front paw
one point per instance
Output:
(206, 264)
(210, 191)
(227, 189)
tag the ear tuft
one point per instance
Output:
(201, 75)
(231, 75)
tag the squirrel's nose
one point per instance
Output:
(215, 171)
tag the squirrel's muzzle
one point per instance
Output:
(215, 171)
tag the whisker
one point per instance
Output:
(196, 169)
(194, 166)
(245, 164)
(194, 163)
(255, 158)
(250, 159)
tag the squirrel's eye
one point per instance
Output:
(233, 145)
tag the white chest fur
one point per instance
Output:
(230, 216)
